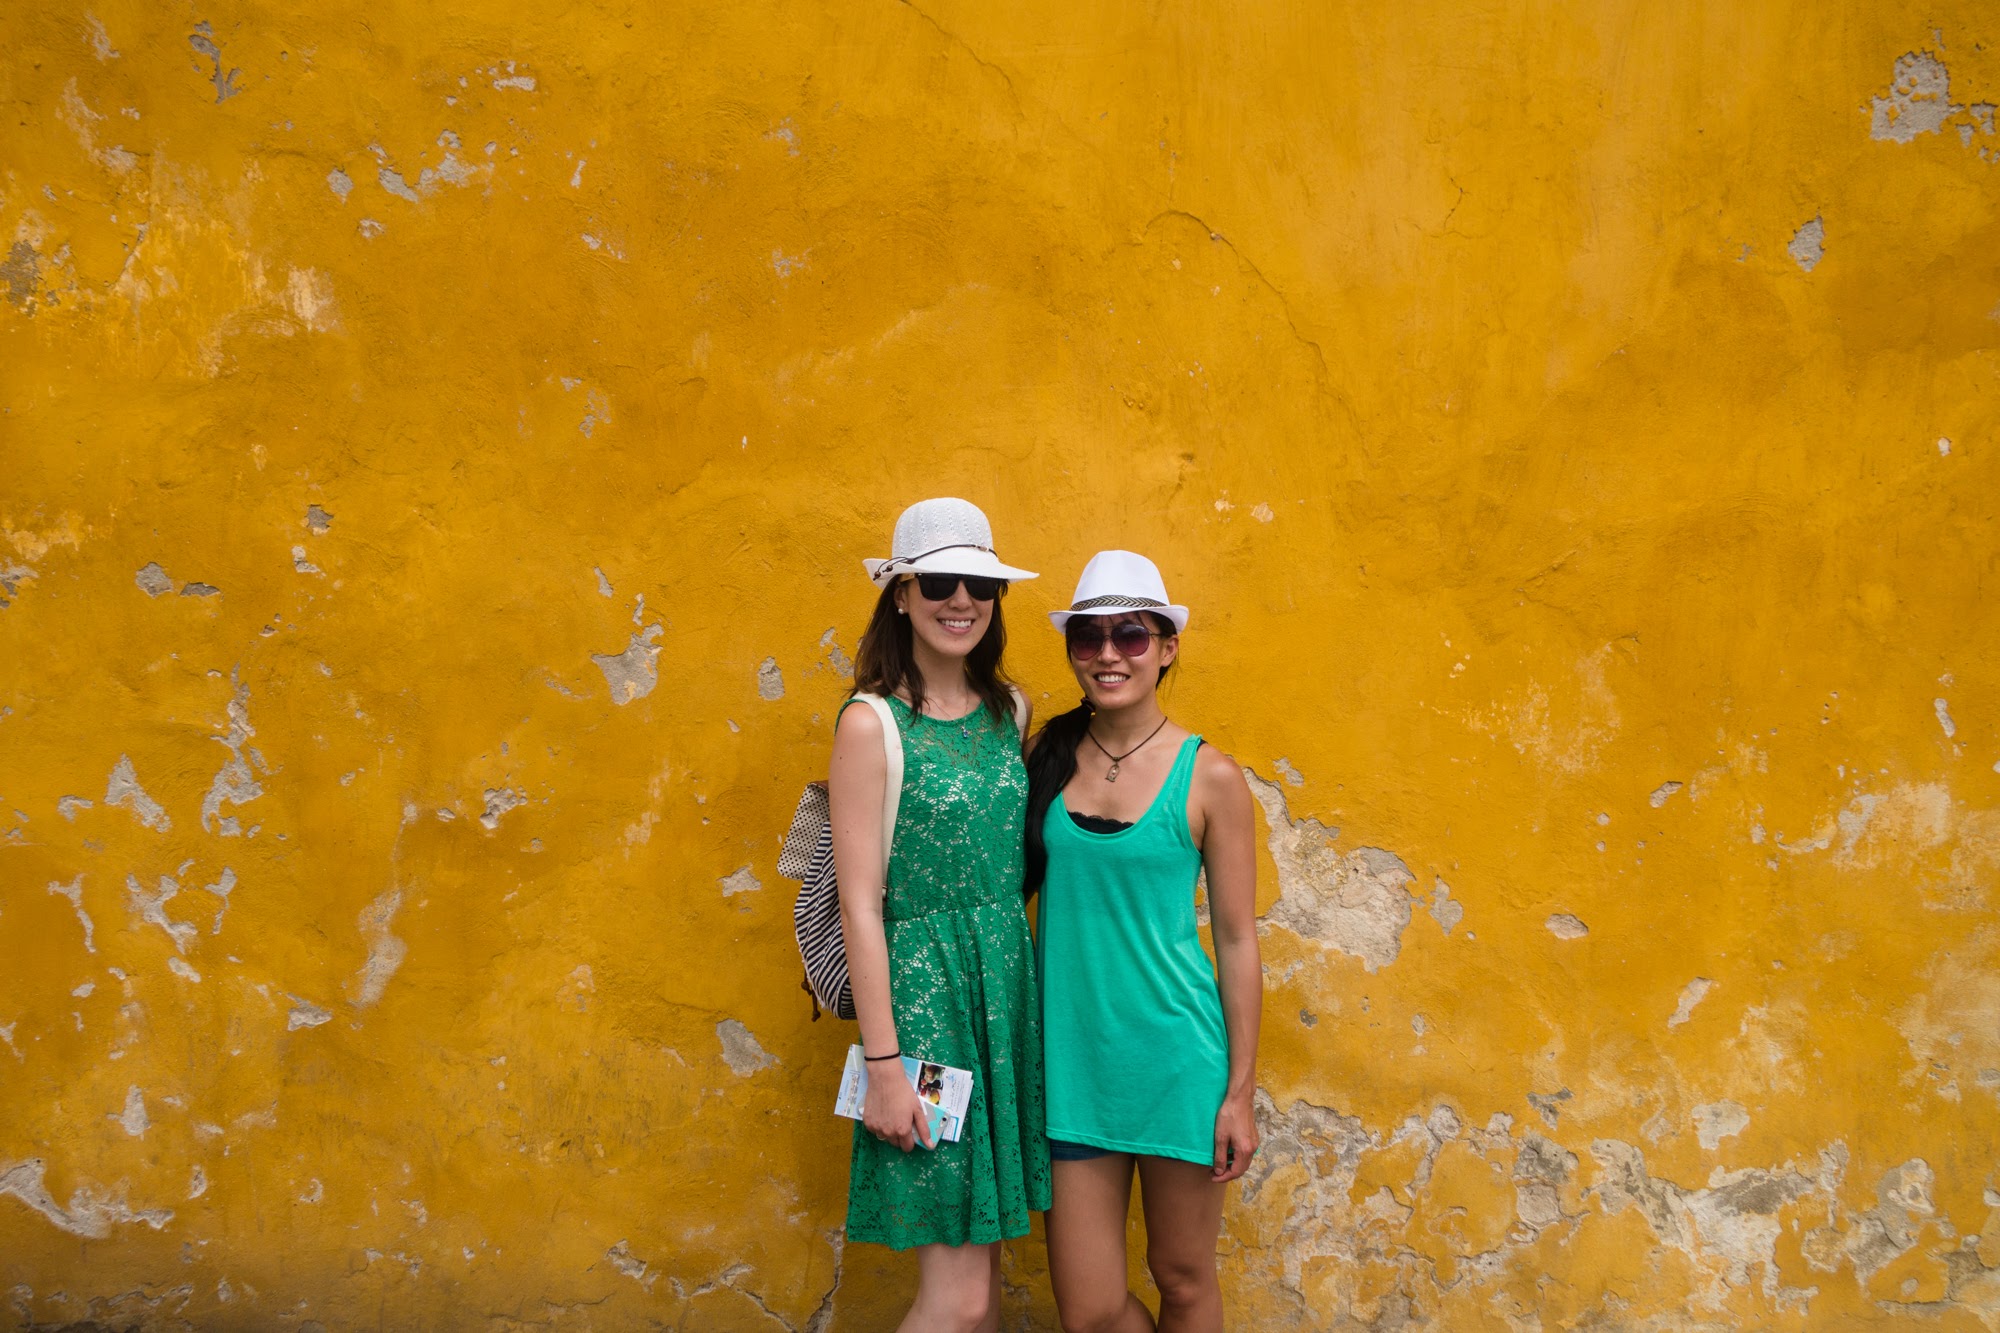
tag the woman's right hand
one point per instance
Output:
(892, 1110)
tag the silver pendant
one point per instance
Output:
(1111, 774)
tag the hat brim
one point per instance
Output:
(1177, 614)
(952, 560)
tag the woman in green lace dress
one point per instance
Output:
(940, 957)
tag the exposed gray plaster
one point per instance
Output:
(133, 1119)
(603, 584)
(770, 680)
(1808, 244)
(10, 582)
(385, 950)
(1943, 711)
(1661, 793)
(317, 519)
(1444, 910)
(224, 883)
(1358, 903)
(842, 664)
(123, 788)
(1292, 776)
(150, 908)
(499, 800)
(1692, 994)
(74, 892)
(199, 590)
(633, 673)
(1918, 101)
(740, 881)
(203, 41)
(620, 1257)
(153, 580)
(340, 183)
(1566, 927)
(740, 1050)
(88, 1215)
(394, 183)
(234, 783)
(1716, 1121)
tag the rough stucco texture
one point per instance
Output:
(438, 450)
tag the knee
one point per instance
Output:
(1184, 1280)
(1100, 1314)
(971, 1306)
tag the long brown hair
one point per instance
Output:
(886, 662)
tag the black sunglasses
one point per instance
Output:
(940, 587)
(1086, 637)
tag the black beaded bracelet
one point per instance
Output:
(893, 1055)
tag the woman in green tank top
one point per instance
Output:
(1149, 1048)
(938, 949)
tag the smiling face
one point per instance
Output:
(1115, 678)
(952, 627)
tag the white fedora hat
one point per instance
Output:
(1115, 582)
(943, 536)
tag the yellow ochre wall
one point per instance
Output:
(437, 449)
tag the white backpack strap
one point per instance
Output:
(892, 786)
(1020, 710)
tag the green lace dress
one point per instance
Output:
(962, 987)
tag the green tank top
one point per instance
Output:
(1136, 1054)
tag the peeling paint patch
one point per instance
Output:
(340, 183)
(304, 1014)
(1566, 927)
(1661, 793)
(123, 789)
(88, 1214)
(21, 273)
(770, 680)
(1358, 903)
(393, 182)
(1918, 100)
(385, 950)
(740, 881)
(183, 971)
(153, 580)
(1292, 776)
(234, 783)
(1716, 1121)
(1445, 910)
(604, 584)
(1692, 994)
(620, 1257)
(133, 1119)
(1808, 244)
(842, 664)
(499, 800)
(740, 1050)
(632, 673)
(301, 564)
(1943, 711)
(150, 908)
(67, 806)
(199, 590)
(318, 521)
(74, 892)
(202, 39)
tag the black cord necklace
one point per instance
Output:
(1111, 774)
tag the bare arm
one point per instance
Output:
(1229, 857)
(855, 791)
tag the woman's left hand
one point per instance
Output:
(1235, 1139)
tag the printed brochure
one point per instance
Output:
(944, 1091)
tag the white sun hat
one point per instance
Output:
(1115, 582)
(943, 536)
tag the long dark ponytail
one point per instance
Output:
(1052, 763)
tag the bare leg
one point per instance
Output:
(1183, 1220)
(957, 1289)
(1086, 1230)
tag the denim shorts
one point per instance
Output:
(1061, 1150)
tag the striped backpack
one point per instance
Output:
(807, 857)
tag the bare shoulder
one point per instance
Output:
(860, 723)
(1216, 773)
